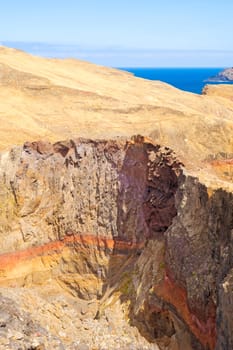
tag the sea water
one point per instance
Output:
(188, 79)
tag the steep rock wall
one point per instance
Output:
(121, 217)
(186, 277)
(76, 196)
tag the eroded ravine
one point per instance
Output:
(116, 219)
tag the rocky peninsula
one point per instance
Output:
(224, 76)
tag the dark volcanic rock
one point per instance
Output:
(225, 312)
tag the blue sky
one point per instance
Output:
(123, 33)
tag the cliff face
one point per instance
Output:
(84, 193)
(121, 219)
(197, 258)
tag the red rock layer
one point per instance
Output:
(11, 259)
(175, 295)
(223, 168)
(222, 162)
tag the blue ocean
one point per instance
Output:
(188, 79)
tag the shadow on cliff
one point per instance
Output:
(151, 191)
(146, 208)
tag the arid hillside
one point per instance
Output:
(115, 210)
(56, 99)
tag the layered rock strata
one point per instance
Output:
(121, 219)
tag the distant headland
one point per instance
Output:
(224, 76)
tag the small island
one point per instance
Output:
(224, 76)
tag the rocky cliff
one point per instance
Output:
(105, 221)
(110, 241)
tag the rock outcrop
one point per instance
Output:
(120, 220)
(197, 259)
